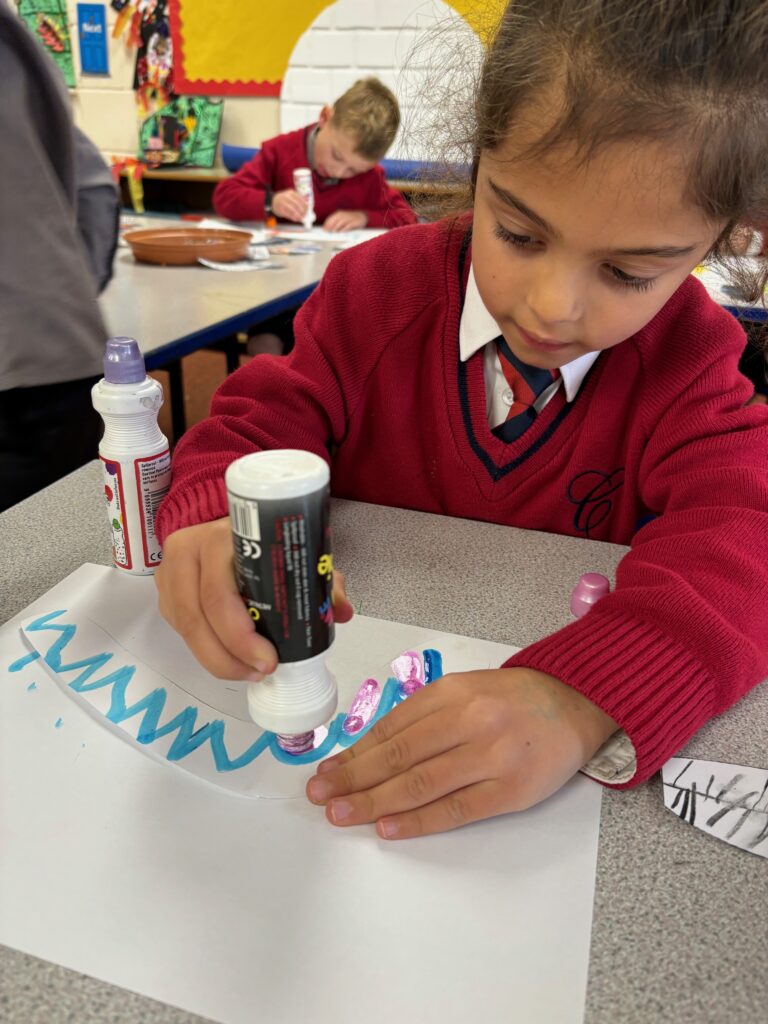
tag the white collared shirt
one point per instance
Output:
(479, 330)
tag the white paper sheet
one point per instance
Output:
(125, 868)
(241, 266)
(728, 801)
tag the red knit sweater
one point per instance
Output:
(241, 197)
(658, 429)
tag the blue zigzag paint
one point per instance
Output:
(188, 738)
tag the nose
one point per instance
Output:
(555, 292)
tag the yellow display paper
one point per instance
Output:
(231, 47)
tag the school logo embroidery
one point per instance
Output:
(591, 492)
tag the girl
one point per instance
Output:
(545, 362)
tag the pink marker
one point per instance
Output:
(409, 672)
(587, 592)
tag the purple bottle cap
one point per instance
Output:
(123, 362)
(588, 591)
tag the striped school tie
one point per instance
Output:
(526, 383)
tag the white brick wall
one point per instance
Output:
(401, 42)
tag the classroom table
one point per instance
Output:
(679, 927)
(172, 311)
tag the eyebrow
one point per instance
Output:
(517, 204)
(512, 201)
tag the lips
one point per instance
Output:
(543, 344)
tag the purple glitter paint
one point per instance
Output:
(363, 707)
(298, 744)
(409, 672)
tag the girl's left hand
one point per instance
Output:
(469, 746)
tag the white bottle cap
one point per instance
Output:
(297, 697)
(272, 475)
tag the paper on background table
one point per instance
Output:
(728, 801)
(716, 278)
(122, 867)
(241, 266)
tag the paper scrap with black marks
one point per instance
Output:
(729, 801)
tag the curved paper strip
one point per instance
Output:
(168, 723)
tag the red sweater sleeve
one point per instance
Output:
(385, 206)
(682, 637)
(304, 400)
(241, 197)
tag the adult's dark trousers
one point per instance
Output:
(45, 433)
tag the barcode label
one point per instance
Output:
(245, 517)
(153, 499)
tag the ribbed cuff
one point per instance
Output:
(201, 503)
(652, 686)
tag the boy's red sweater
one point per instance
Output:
(657, 451)
(241, 197)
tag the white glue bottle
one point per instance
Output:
(134, 454)
(279, 504)
(302, 183)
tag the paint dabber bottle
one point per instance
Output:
(279, 504)
(302, 183)
(134, 454)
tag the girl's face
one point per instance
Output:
(573, 259)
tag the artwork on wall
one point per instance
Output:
(237, 49)
(48, 21)
(144, 23)
(183, 133)
(92, 37)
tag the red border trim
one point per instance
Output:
(208, 87)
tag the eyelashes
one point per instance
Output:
(520, 241)
(530, 244)
(640, 284)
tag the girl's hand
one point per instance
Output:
(345, 220)
(198, 597)
(289, 205)
(466, 747)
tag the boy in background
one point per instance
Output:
(342, 149)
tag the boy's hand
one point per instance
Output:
(198, 596)
(468, 746)
(345, 220)
(289, 205)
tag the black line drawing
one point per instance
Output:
(728, 801)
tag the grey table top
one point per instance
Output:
(679, 929)
(162, 307)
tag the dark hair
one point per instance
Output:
(691, 71)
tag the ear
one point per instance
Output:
(325, 116)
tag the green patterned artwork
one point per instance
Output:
(184, 132)
(48, 20)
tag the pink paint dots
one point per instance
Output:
(409, 672)
(298, 744)
(363, 707)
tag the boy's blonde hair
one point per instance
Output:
(369, 113)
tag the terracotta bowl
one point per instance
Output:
(178, 246)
